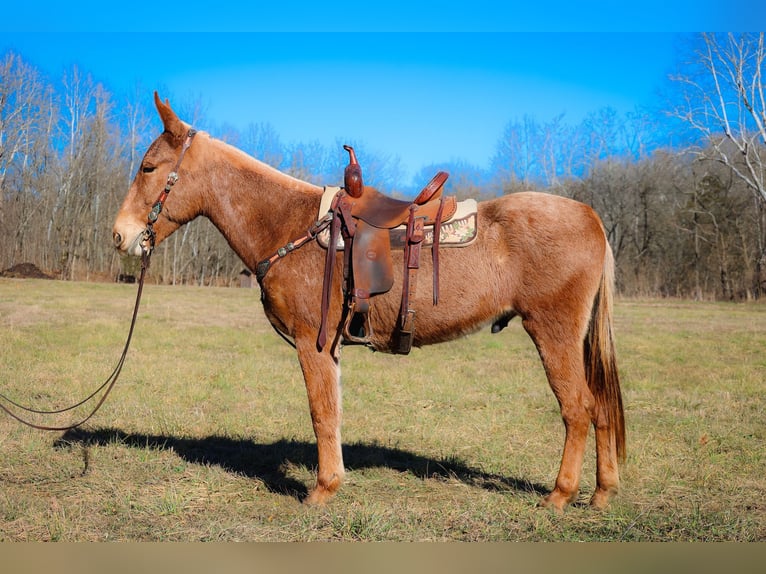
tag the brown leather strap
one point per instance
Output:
(106, 386)
(435, 249)
(406, 272)
(154, 214)
(329, 267)
(415, 236)
(172, 178)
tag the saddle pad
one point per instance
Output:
(458, 231)
(327, 197)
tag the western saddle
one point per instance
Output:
(364, 217)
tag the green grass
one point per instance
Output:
(207, 434)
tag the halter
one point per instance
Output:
(154, 214)
(109, 383)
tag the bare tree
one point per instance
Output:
(517, 159)
(27, 117)
(261, 140)
(723, 99)
(137, 129)
(93, 179)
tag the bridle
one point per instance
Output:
(154, 214)
(108, 384)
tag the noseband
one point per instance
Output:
(154, 214)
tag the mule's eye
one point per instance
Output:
(148, 169)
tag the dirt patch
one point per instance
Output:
(25, 271)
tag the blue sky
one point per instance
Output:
(423, 96)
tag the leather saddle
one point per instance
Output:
(364, 217)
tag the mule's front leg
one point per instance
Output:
(321, 371)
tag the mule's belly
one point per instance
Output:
(473, 293)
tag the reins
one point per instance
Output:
(109, 383)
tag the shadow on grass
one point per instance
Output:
(267, 462)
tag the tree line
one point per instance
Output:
(680, 190)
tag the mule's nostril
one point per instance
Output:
(117, 239)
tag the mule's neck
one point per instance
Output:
(257, 208)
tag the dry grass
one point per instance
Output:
(207, 435)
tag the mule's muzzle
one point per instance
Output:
(130, 238)
(135, 247)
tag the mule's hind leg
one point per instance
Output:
(321, 372)
(561, 351)
(607, 471)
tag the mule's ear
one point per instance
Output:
(169, 118)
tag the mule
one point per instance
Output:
(541, 257)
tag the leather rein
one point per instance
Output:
(108, 384)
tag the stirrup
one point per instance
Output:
(357, 328)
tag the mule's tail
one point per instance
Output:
(600, 362)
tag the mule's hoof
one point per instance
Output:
(318, 497)
(545, 503)
(601, 498)
(556, 501)
(324, 491)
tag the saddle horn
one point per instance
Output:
(352, 176)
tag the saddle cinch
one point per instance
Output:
(364, 218)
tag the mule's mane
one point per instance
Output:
(240, 159)
(255, 206)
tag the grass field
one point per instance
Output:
(207, 434)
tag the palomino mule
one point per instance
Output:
(541, 257)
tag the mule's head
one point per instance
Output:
(160, 159)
